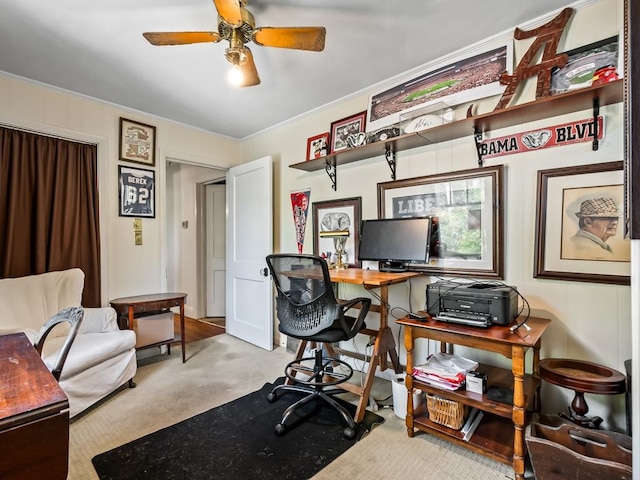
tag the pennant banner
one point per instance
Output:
(556, 136)
(300, 206)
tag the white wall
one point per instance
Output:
(127, 269)
(589, 321)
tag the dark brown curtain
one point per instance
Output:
(49, 208)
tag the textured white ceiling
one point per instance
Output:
(96, 48)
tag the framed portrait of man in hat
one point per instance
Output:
(580, 224)
(598, 233)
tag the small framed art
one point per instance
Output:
(318, 146)
(336, 230)
(137, 142)
(348, 132)
(137, 192)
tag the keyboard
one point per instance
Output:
(466, 318)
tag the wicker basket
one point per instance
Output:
(446, 412)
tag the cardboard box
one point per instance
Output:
(153, 329)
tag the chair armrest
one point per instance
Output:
(99, 320)
(363, 304)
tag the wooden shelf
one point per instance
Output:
(497, 434)
(492, 438)
(498, 377)
(583, 99)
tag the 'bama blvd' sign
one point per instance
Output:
(558, 135)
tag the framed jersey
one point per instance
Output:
(137, 192)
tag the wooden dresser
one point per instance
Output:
(34, 415)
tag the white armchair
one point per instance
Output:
(102, 357)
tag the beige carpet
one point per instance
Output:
(222, 368)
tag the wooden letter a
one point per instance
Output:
(549, 36)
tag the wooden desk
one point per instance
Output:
(128, 307)
(500, 435)
(34, 415)
(384, 344)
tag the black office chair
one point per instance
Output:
(308, 310)
(72, 315)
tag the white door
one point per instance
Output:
(249, 241)
(216, 237)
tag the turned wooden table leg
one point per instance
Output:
(408, 345)
(519, 411)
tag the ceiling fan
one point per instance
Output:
(237, 25)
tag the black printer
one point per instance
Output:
(479, 304)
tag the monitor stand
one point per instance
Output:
(392, 267)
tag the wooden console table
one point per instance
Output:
(128, 307)
(500, 435)
(34, 415)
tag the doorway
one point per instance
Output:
(215, 239)
(190, 236)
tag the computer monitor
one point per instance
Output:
(396, 243)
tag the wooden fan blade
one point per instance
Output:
(299, 38)
(230, 11)
(249, 72)
(180, 38)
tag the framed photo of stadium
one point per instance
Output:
(460, 77)
(586, 64)
(137, 192)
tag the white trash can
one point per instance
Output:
(399, 391)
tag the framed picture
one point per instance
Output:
(467, 237)
(137, 192)
(463, 76)
(579, 232)
(318, 146)
(348, 132)
(336, 226)
(137, 142)
(584, 62)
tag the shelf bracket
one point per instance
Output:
(390, 156)
(477, 137)
(332, 171)
(596, 112)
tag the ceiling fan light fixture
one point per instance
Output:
(235, 76)
(236, 55)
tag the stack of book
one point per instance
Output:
(444, 370)
(469, 427)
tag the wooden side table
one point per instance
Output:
(582, 377)
(500, 434)
(128, 307)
